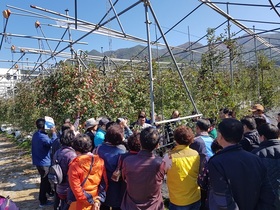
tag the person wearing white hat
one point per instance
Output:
(90, 128)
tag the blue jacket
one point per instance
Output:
(99, 137)
(127, 132)
(238, 181)
(40, 148)
(110, 154)
(202, 144)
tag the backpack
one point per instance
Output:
(7, 204)
(55, 174)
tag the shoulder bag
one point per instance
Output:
(70, 195)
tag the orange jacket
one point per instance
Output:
(95, 185)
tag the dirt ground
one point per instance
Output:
(19, 179)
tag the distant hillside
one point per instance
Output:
(123, 53)
(140, 52)
(248, 46)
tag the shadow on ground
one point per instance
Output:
(19, 179)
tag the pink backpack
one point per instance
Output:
(7, 204)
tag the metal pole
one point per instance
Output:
(5, 27)
(230, 50)
(69, 32)
(146, 4)
(173, 59)
(189, 37)
(239, 24)
(257, 66)
(87, 26)
(178, 119)
(108, 63)
(41, 38)
(76, 14)
(118, 19)
(270, 49)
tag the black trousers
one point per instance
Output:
(104, 207)
(45, 186)
(57, 200)
(204, 200)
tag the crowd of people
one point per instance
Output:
(113, 164)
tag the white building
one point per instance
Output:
(8, 79)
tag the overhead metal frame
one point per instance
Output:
(118, 34)
(100, 28)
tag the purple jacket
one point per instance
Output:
(144, 174)
(64, 156)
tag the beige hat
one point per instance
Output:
(256, 107)
(91, 123)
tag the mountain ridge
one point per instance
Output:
(141, 52)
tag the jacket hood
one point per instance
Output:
(253, 136)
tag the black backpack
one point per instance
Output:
(55, 174)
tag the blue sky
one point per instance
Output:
(168, 13)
